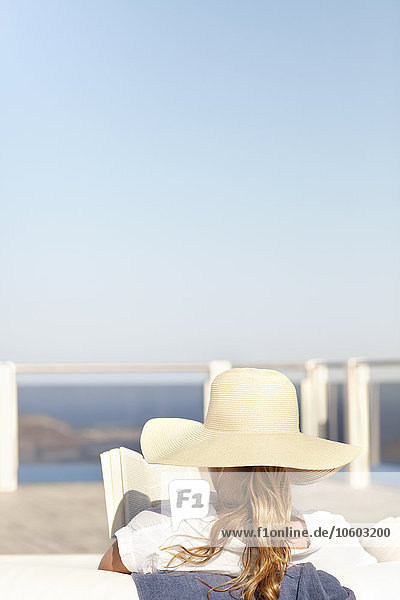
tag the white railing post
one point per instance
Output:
(215, 367)
(309, 425)
(358, 421)
(8, 428)
(314, 399)
(375, 424)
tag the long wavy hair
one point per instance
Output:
(261, 500)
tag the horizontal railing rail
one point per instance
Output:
(49, 368)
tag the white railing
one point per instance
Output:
(314, 380)
(9, 399)
(8, 427)
(361, 415)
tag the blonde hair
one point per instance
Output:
(264, 500)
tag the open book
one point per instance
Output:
(131, 484)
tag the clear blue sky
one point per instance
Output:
(188, 180)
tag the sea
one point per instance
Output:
(101, 406)
(131, 405)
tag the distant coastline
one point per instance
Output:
(75, 423)
(45, 439)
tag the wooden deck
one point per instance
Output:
(70, 518)
(48, 518)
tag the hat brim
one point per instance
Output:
(187, 443)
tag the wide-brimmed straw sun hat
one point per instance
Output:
(252, 420)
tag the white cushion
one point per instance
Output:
(23, 582)
(82, 561)
(45, 582)
(369, 582)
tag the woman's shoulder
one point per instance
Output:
(333, 529)
(323, 517)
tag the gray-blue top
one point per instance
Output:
(300, 582)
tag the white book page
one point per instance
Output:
(118, 518)
(135, 483)
(105, 459)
